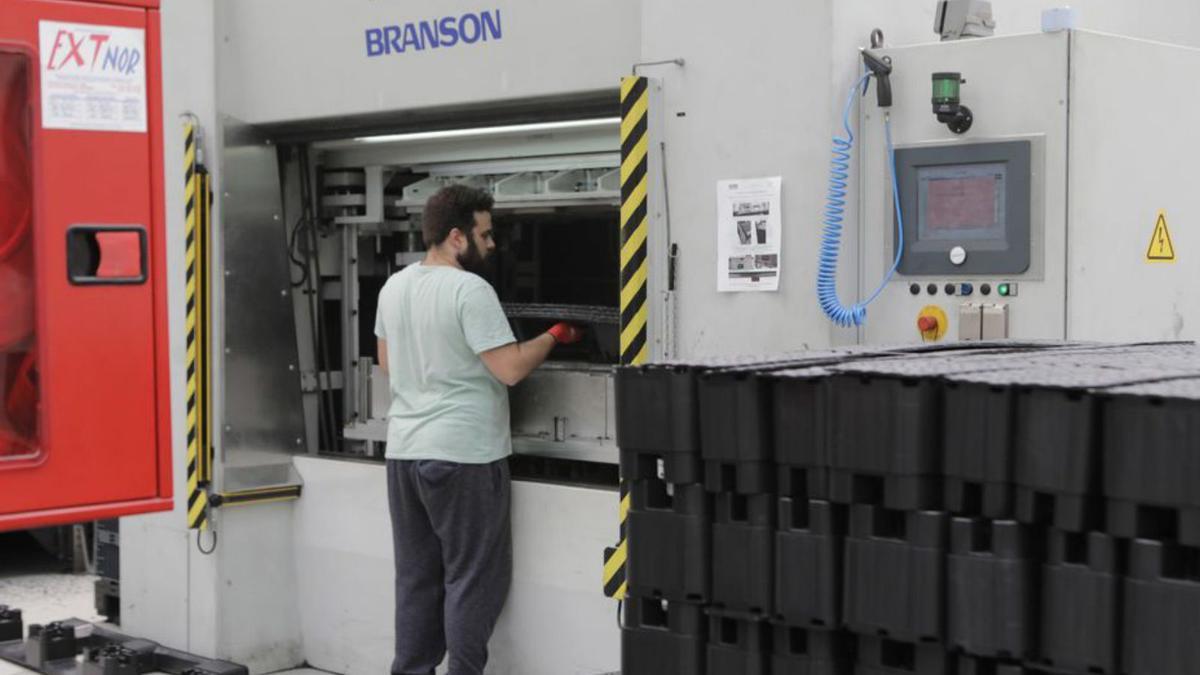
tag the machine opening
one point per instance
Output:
(18, 366)
(556, 216)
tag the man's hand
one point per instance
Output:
(565, 333)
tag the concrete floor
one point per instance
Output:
(35, 582)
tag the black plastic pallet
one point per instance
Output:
(895, 573)
(808, 563)
(669, 532)
(1162, 610)
(12, 626)
(1081, 602)
(883, 656)
(1150, 436)
(657, 421)
(801, 651)
(979, 665)
(735, 432)
(663, 638)
(738, 646)
(885, 441)
(992, 584)
(978, 450)
(1057, 460)
(801, 447)
(743, 553)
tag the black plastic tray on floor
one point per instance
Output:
(663, 638)
(1162, 609)
(669, 533)
(808, 563)
(895, 573)
(1081, 602)
(743, 553)
(992, 581)
(54, 649)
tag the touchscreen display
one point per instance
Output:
(961, 201)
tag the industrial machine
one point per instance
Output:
(84, 396)
(1035, 200)
(1018, 186)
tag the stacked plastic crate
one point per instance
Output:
(998, 509)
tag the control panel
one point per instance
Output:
(981, 226)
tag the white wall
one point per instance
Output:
(167, 586)
(742, 106)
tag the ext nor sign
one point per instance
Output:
(448, 31)
(93, 77)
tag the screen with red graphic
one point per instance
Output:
(961, 201)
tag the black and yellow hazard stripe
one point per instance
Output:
(634, 267)
(196, 330)
(615, 557)
(634, 178)
(635, 344)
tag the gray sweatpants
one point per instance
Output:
(453, 540)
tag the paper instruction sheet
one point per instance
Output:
(748, 234)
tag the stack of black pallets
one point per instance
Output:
(998, 508)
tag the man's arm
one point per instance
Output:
(515, 361)
(381, 352)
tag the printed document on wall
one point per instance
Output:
(748, 233)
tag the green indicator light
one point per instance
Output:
(946, 87)
(1002, 289)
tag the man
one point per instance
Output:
(449, 353)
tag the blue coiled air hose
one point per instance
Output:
(835, 208)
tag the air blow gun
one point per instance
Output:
(879, 68)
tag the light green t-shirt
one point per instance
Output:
(446, 404)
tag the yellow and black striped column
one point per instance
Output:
(615, 557)
(635, 346)
(197, 498)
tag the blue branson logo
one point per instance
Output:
(447, 31)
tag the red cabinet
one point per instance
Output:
(84, 367)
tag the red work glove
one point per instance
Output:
(565, 333)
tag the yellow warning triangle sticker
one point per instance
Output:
(1161, 249)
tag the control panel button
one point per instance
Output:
(914, 288)
(986, 289)
(1007, 289)
(931, 289)
(950, 288)
(966, 289)
(958, 255)
(932, 323)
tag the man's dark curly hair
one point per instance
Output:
(450, 207)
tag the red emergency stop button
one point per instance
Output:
(927, 324)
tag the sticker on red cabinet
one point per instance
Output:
(93, 77)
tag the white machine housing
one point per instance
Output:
(1108, 123)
